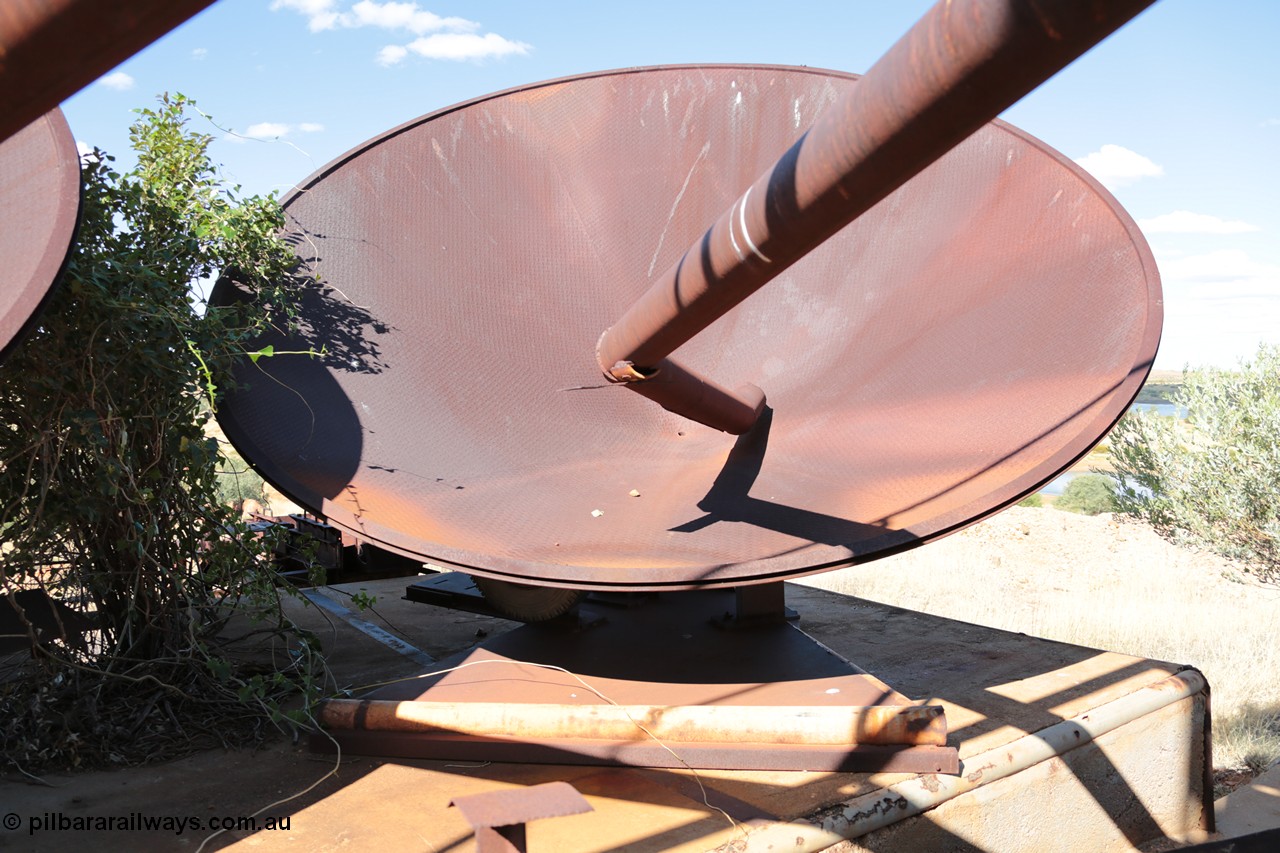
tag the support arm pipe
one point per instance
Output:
(956, 69)
(50, 49)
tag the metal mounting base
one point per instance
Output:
(757, 606)
(458, 591)
(666, 654)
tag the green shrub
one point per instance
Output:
(109, 486)
(1032, 500)
(237, 482)
(1213, 479)
(235, 486)
(1089, 494)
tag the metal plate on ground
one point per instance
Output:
(39, 208)
(947, 353)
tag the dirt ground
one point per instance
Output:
(1046, 550)
(1041, 557)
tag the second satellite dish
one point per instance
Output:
(39, 208)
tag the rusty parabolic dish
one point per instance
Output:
(39, 208)
(946, 354)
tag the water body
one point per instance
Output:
(1166, 409)
(1058, 485)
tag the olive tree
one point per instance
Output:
(1214, 477)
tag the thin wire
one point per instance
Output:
(696, 776)
(706, 800)
(333, 771)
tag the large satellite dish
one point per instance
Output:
(39, 208)
(949, 352)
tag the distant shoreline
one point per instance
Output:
(1157, 392)
(1164, 377)
(1160, 387)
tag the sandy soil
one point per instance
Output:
(1042, 553)
(1053, 546)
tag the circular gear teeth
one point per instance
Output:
(526, 603)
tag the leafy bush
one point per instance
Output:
(237, 482)
(1088, 494)
(108, 482)
(1032, 500)
(1213, 479)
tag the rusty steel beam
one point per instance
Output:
(859, 758)
(50, 49)
(957, 68)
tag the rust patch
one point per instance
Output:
(881, 806)
(521, 805)
(976, 775)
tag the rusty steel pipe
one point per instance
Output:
(954, 70)
(50, 49)
(678, 389)
(917, 725)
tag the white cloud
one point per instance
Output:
(266, 130)
(403, 16)
(85, 150)
(1116, 166)
(1218, 306)
(1186, 222)
(118, 80)
(391, 54)
(439, 37)
(1271, 122)
(463, 46)
(391, 15)
(272, 130)
(320, 14)
(1223, 267)
(199, 53)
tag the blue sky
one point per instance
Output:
(1178, 113)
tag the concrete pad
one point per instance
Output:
(1253, 808)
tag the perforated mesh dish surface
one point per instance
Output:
(39, 207)
(943, 356)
